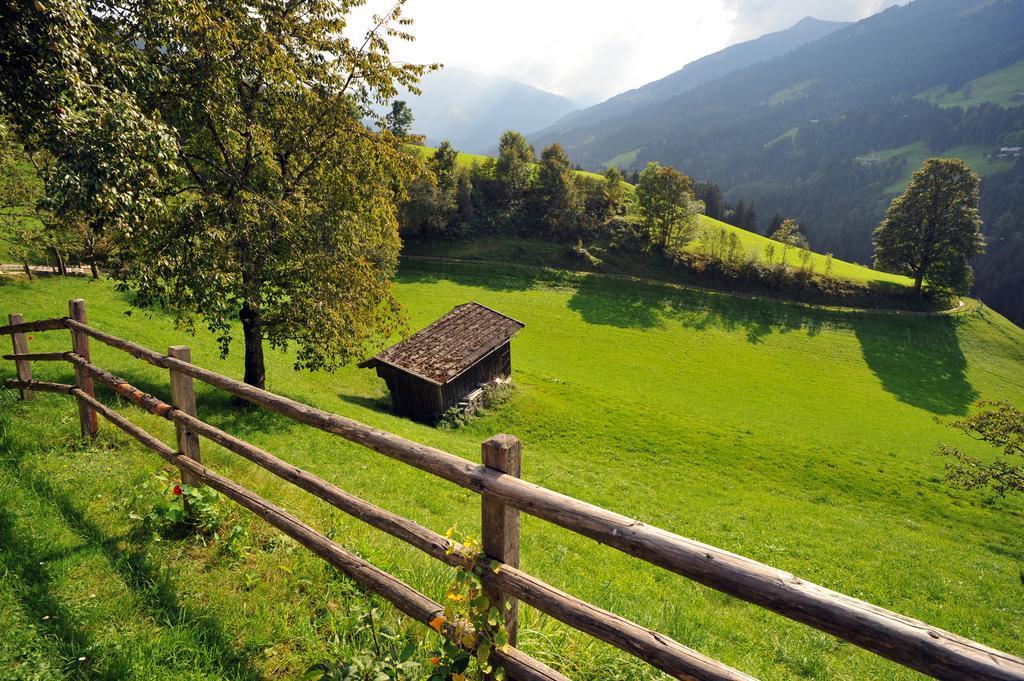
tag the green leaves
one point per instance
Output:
(933, 229)
(668, 206)
(1001, 425)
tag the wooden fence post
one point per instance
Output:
(500, 527)
(183, 397)
(80, 345)
(22, 367)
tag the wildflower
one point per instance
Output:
(435, 661)
(177, 490)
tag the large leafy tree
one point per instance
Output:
(444, 163)
(515, 166)
(668, 205)
(933, 229)
(558, 197)
(399, 120)
(63, 91)
(276, 205)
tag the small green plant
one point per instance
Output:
(494, 395)
(478, 625)
(388, 658)
(181, 510)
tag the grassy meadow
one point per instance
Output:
(797, 436)
(998, 87)
(915, 155)
(532, 251)
(465, 160)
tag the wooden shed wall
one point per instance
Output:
(411, 395)
(417, 398)
(497, 364)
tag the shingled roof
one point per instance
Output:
(452, 344)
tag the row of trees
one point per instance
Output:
(930, 233)
(516, 192)
(220, 158)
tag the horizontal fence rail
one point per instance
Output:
(904, 640)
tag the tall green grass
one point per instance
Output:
(799, 437)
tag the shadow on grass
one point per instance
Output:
(215, 406)
(916, 358)
(380, 404)
(21, 559)
(641, 305)
(919, 360)
(151, 585)
(505, 278)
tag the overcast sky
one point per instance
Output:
(591, 49)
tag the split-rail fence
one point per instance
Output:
(504, 494)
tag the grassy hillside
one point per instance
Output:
(527, 251)
(799, 437)
(998, 87)
(491, 248)
(843, 270)
(467, 160)
(915, 154)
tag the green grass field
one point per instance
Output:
(998, 87)
(468, 160)
(787, 94)
(526, 251)
(915, 154)
(623, 160)
(799, 437)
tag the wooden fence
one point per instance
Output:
(906, 641)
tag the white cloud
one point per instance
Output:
(591, 49)
(582, 49)
(753, 18)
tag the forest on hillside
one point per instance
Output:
(831, 131)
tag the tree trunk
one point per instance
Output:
(95, 270)
(62, 268)
(918, 280)
(28, 270)
(255, 369)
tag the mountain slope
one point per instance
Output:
(472, 109)
(701, 71)
(817, 133)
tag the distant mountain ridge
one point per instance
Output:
(698, 72)
(829, 132)
(472, 109)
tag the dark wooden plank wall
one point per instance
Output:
(414, 397)
(497, 364)
(411, 396)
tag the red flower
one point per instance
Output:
(434, 661)
(177, 490)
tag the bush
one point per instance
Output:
(495, 394)
(181, 510)
(626, 233)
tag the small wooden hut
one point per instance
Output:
(440, 366)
